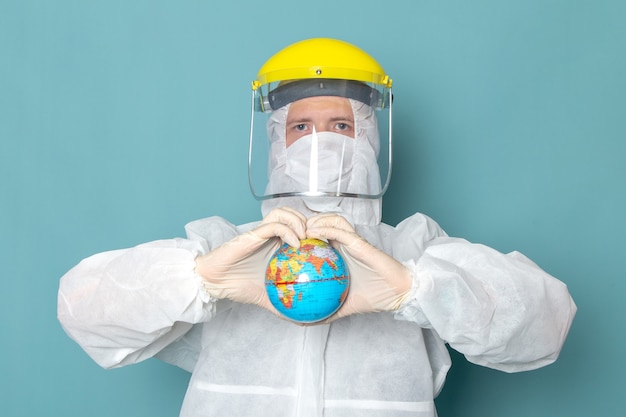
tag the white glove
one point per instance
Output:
(236, 269)
(377, 281)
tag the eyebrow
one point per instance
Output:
(338, 118)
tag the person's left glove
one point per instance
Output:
(236, 269)
(378, 282)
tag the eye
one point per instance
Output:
(344, 127)
(300, 127)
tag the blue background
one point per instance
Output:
(120, 121)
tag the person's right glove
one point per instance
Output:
(236, 269)
(378, 282)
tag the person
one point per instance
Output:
(200, 303)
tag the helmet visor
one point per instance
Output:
(320, 138)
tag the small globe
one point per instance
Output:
(309, 283)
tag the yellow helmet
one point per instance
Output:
(321, 66)
(321, 58)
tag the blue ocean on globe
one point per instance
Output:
(309, 283)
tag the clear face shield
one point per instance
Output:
(320, 138)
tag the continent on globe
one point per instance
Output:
(309, 283)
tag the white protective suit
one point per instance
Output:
(500, 310)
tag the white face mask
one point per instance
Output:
(362, 173)
(320, 162)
